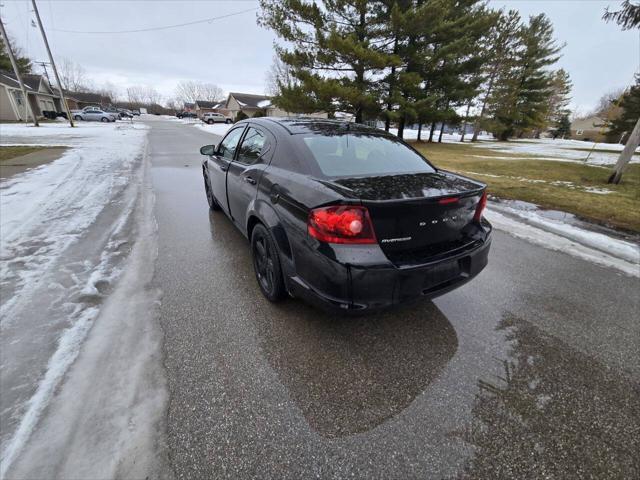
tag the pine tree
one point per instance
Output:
(336, 52)
(562, 127)
(629, 104)
(627, 17)
(24, 63)
(501, 47)
(519, 103)
(439, 59)
(559, 99)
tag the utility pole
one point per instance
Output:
(46, 72)
(14, 64)
(625, 156)
(53, 65)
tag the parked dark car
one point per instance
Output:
(346, 216)
(186, 115)
(125, 113)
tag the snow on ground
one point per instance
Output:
(527, 222)
(72, 232)
(216, 128)
(564, 150)
(556, 183)
(543, 148)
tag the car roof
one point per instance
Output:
(300, 125)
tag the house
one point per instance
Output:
(204, 106)
(250, 104)
(79, 100)
(591, 128)
(40, 95)
(189, 107)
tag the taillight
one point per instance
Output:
(341, 224)
(479, 209)
(446, 201)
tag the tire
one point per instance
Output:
(210, 122)
(228, 120)
(213, 203)
(266, 264)
(77, 117)
(105, 119)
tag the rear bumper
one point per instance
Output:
(355, 289)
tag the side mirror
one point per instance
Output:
(208, 150)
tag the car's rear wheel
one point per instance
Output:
(104, 119)
(228, 120)
(213, 203)
(210, 121)
(77, 117)
(266, 264)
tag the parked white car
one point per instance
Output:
(93, 114)
(215, 118)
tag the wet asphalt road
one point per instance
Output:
(530, 371)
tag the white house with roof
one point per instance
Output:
(39, 92)
(250, 104)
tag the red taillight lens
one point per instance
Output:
(480, 208)
(341, 224)
(445, 201)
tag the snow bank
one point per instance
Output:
(530, 224)
(68, 229)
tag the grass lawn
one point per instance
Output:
(565, 186)
(7, 153)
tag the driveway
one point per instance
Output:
(529, 371)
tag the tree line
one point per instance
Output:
(418, 62)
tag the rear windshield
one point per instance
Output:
(358, 154)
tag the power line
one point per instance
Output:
(165, 27)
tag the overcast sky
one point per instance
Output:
(235, 53)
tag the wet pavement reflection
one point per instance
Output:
(350, 375)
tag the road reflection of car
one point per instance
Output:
(212, 118)
(93, 114)
(346, 216)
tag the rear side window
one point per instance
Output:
(357, 154)
(228, 146)
(251, 147)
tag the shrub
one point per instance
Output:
(241, 116)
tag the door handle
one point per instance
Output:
(224, 168)
(249, 180)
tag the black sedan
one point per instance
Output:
(346, 216)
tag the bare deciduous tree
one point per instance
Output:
(190, 91)
(143, 95)
(110, 90)
(73, 76)
(279, 74)
(606, 102)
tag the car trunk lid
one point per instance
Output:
(418, 216)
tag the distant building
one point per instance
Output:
(250, 104)
(40, 94)
(79, 100)
(589, 129)
(202, 106)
